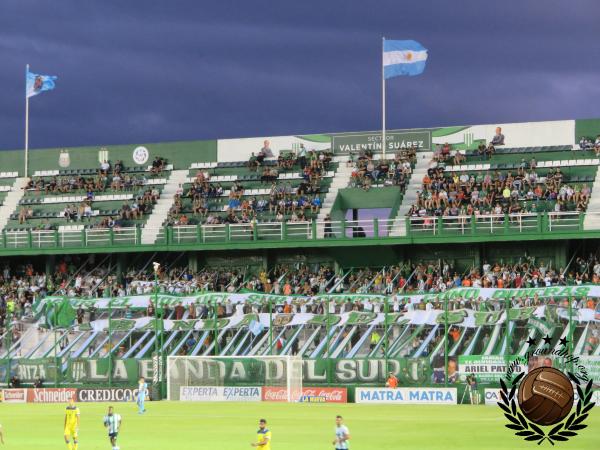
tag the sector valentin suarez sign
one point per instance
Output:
(395, 141)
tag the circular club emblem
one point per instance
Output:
(141, 155)
(64, 160)
(546, 396)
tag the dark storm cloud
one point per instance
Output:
(135, 71)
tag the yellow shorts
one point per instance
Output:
(71, 431)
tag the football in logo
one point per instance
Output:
(546, 396)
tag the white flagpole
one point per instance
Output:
(383, 143)
(26, 123)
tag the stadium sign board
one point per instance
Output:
(108, 395)
(14, 395)
(328, 394)
(487, 368)
(371, 141)
(51, 395)
(492, 396)
(414, 396)
(220, 394)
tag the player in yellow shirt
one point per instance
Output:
(263, 436)
(72, 425)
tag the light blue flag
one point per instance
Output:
(36, 84)
(403, 58)
(256, 327)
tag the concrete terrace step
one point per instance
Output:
(162, 207)
(12, 199)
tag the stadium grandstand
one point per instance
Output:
(453, 246)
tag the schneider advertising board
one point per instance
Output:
(395, 140)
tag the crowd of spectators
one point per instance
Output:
(19, 288)
(108, 178)
(285, 201)
(498, 192)
(586, 143)
(368, 171)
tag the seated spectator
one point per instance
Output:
(266, 150)
(104, 168)
(253, 162)
(498, 138)
(158, 165)
(585, 143)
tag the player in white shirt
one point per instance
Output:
(112, 422)
(342, 434)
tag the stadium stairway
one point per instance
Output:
(424, 161)
(592, 221)
(160, 211)
(340, 180)
(12, 199)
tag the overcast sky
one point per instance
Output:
(133, 71)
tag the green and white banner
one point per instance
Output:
(469, 318)
(477, 294)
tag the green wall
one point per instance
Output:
(586, 127)
(180, 154)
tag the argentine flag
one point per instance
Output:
(36, 84)
(403, 58)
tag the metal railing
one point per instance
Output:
(496, 224)
(410, 227)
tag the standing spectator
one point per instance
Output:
(80, 315)
(302, 156)
(179, 311)
(498, 138)
(392, 381)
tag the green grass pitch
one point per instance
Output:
(231, 426)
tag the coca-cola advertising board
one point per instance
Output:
(326, 394)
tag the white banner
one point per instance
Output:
(413, 396)
(220, 394)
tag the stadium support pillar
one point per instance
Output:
(327, 330)
(156, 347)
(386, 336)
(216, 330)
(7, 344)
(571, 334)
(56, 366)
(507, 332)
(270, 327)
(446, 341)
(110, 348)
